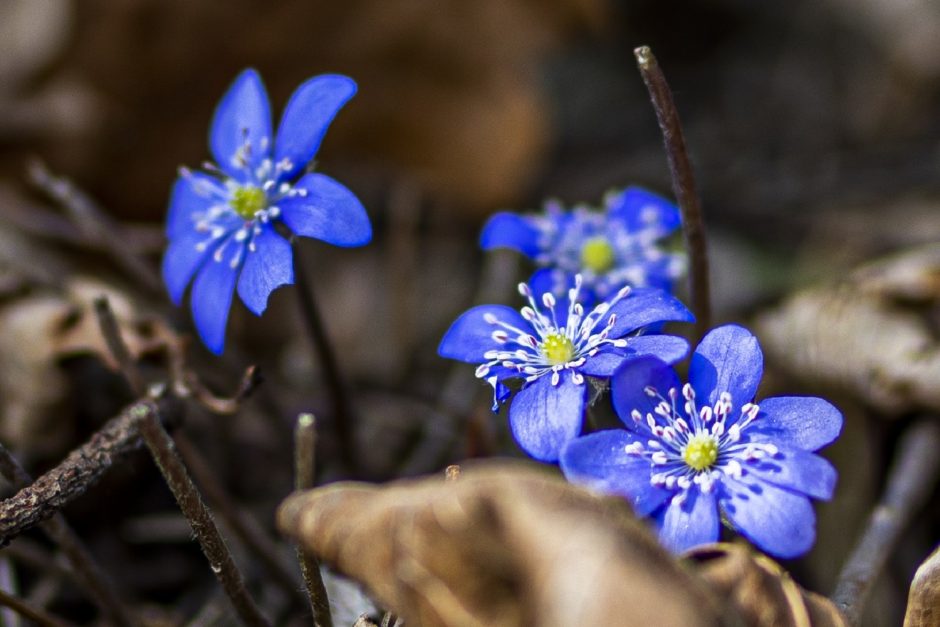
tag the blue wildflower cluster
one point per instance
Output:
(692, 454)
(689, 456)
(610, 248)
(222, 222)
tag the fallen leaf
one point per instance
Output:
(504, 544)
(923, 601)
(760, 590)
(872, 334)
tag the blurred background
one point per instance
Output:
(814, 127)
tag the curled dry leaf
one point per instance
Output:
(923, 601)
(866, 335)
(760, 590)
(39, 330)
(504, 544)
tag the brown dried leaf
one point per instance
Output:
(760, 590)
(38, 331)
(504, 544)
(923, 602)
(866, 335)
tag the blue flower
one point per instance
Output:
(553, 348)
(610, 249)
(221, 223)
(694, 454)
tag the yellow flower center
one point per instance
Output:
(247, 200)
(701, 451)
(597, 254)
(557, 349)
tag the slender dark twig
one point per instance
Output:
(911, 480)
(241, 525)
(342, 411)
(305, 444)
(683, 186)
(48, 494)
(25, 610)
(116, 345)
(95, 225)
(459, 393)
(253, 538)
(87, 570)
(200, 519)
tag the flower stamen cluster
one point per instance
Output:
(553, 347)
(689, 445)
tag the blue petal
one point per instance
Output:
(603, 365)
(510, 230)
(266, 268)
(728, 360)
(600, 462)
(644, 306)
(306, 117)
(796, 470)
(641, 210)
(470, 335)
(192, 193)
(668, 348)
(803, 422)
(243, 114)
(627, 386)
(544, 417)
(777, 521)
(181, 261)
(691, 523)
(211, 300)
(328, 212)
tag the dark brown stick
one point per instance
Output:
(70, 479)
(305, 444)
(116, 345)
(200, 519)
(342, 410)
(683, 186)
(911, 480)
(95, 225)
(241, 525)
(27, 611)
(87, 571)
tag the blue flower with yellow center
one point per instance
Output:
(552, 345)
(223, 223)
(618, 246)
(694, 454)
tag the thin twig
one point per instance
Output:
(116, 345)
(459, 393)
(25, 610)
(305, 443)
(342, 410)
(253, 538)
(200, 519)
(683, 186)
(241, 525)
(48, 494)
(911, 480)
(92, 577)
(94, 224)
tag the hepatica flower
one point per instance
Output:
(221, 223)
(618, 246)
(552, 346)
(694, 454)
